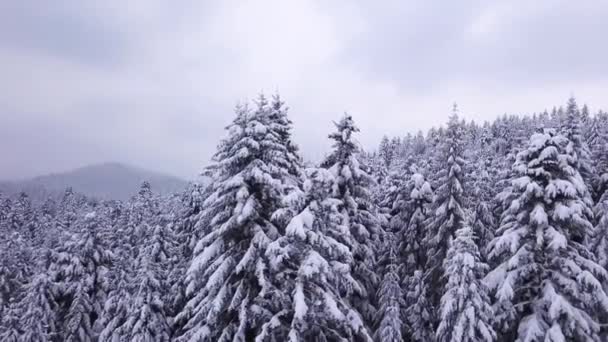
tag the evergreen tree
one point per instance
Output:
(79, 268)
(466, 310)
(147, 318)
(139, 220)
(67, 211)
(390, 296)
(483, 222)
(411, 213)
(16, 268)
(352, 189)
(449, 214)
(545, 276)
(600, 237)
(228, 269)
(117, 306)
(410, 223)
(598, 144)
(38, 318)
(312, 263)
(419, 314)
(571, 128)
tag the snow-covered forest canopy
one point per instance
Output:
(494, 231)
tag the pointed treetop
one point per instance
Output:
(145, 188)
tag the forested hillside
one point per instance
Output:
(494, 231)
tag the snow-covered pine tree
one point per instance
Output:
(38, 310)
(447, 208)
(410, 214)
(284, 153)
(187, 228)
(419, 315)
(16, 268)
(147, 317)
(483, 222)
(599, 245)
(571, 128)
(390, 296)
(387, 151)
(117, 306)
(280, 127)
(409, 221)
(598, 145)
(67, 210)
(312, 267)
(466, 311)
(547, 285)
(352, 189)
(79, 268)
(20, 216)
(139, 220)
(228, 269)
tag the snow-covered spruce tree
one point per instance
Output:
(447, 208)
(284, 153)
(598, 145)
(20, 216)
(482, 221)
(409, 222)
(147, 317)
(387, 151)
(187, 228)
(390, 296)
(352, 189)
(117, 306)
(466, 311)
(280, 127)
(68, 208)
(38, 310)
(228, 268)
(410, 214)
(546, 283)
(312, 278)
(571, 128)
(16, 268)
(419, 313)
(79, 268)
(139, 220)
(600, 235)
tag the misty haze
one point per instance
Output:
(303, 171)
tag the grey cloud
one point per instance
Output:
(64, 29)
(153, 82)
(418, 45)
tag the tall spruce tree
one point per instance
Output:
(447, 208)
(228, 269)
(79, 268)
(545, 277)
(600, 234)
(352, 189)
(390, 295)
(466, 311)
(313, 281)
(38, 310)
(147, 318)
(571, 128)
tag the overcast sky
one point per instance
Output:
(153, 83)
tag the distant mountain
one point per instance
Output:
(107, 181)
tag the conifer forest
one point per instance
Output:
(470, 231)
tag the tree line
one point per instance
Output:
(470, 232)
